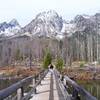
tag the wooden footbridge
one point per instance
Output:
(46, 86)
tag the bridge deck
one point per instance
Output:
(53, 87)
(47, 90)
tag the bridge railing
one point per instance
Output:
(76, 89)
(20, 86)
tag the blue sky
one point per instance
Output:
(26, 10)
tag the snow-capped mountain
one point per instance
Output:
(68, 28)
(87, 24)
(47, 24)
(8, 29)
(50, 24)
(83, 22)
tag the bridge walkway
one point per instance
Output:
(48, 89)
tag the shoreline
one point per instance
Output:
(79, 74)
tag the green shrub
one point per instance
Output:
(59, 64)
(81, 64)
(18, 55)
(47, 60)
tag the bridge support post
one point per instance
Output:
(20, 93)
(75, 94)
(34, 82)
(62, 78)
(65, 83)
(39, 77)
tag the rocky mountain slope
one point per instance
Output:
(45, 24)
(50, 24)
(9, 29)
(87, 24)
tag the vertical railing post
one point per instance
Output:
(65, 83)
(35, 83)
(39, 77)
(75, 94)
(20, 93)
(42, 73)
(62, 78)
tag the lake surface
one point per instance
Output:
(6, 83)
(92, 86)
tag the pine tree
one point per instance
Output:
(59, 64)
(47, 60)
(18, 55)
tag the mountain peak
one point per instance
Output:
(48, 14)
(14, 22)
(8, 29)
(52, 12)
(47, 23)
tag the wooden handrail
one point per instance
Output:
(77, 88)
(64, 94)
(13, 88)
(19, 85)
(34, 87)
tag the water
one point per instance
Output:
(6, 83)
(91, 86)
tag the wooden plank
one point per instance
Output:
(63, 94)
(43, 89)
(51, 95)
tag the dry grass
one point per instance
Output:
(19, 71)
(80, 74)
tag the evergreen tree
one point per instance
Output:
(59, 63)
(47, 60)
(18, 55)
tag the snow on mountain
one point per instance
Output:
(50, 24)
(47, 24)
(68, 28)
(8, 29)
(13, 23)
(51, 17)
(86, 16)
(84, 24)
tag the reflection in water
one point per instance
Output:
(7, 82)
(92, 86)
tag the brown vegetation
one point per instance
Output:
(19, 71)
(80, 74)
